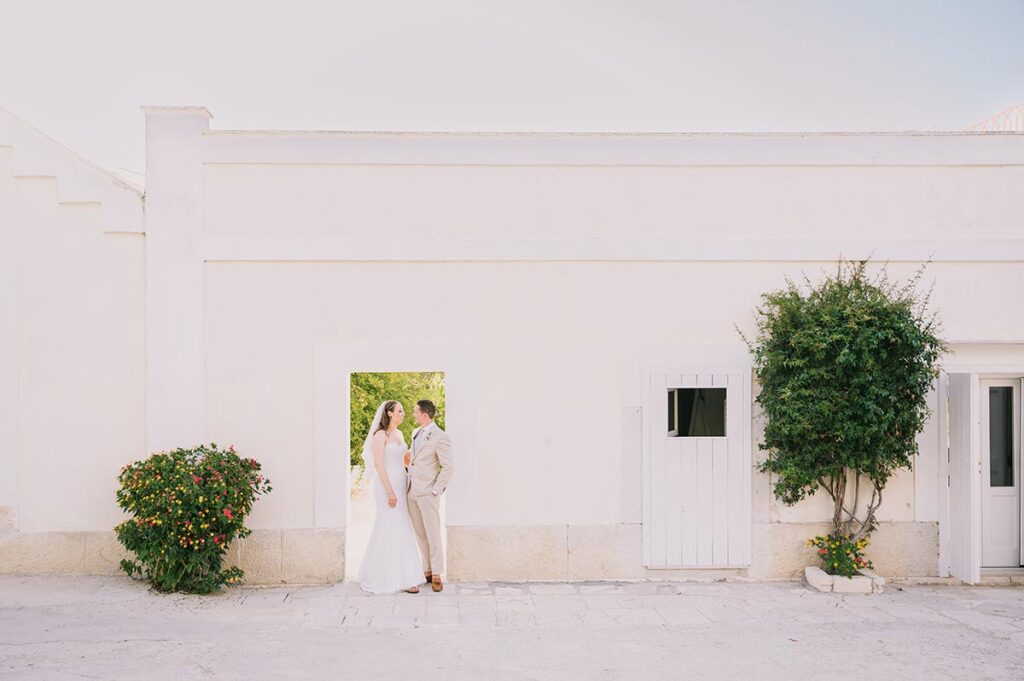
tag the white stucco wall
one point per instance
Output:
(514, 240)
(8, 363)
(551, 269)
(73, 331)
(569, 201)
(547, 342)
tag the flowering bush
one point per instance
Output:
(187, 507)
(840, 554)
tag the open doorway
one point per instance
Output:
(367, 390)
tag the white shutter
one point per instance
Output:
(964, 477)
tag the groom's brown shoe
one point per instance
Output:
(436, 583)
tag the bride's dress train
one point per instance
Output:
(392, 559)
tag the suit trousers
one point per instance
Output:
(425, 510)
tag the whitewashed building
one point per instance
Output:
(570, 286)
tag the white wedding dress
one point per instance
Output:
(392, 559)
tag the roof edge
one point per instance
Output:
(170, 109)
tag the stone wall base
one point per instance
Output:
(897, 549)
(6, 519)
(488, 553)
(544, 552)
(581, 552)
(288, 556)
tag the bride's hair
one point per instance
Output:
(385, 416)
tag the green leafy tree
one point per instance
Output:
(845, 367)
(370, 389)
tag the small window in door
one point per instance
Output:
(696, 412)
(1000, 434)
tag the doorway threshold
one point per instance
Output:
(1002, 576)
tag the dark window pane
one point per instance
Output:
(696, 412)
(1000, 436)
(672, 411)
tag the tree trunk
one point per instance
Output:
(838, 497)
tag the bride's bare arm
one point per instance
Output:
(379, 441)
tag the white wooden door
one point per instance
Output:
(1000, 473)
(964, 477)
(697, 468)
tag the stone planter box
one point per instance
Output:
(867, 582)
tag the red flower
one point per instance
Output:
(196, 479)
(227, 512)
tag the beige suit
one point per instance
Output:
(430, 469)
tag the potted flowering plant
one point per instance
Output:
(187, 506)
(841, 555)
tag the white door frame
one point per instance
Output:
(980, 371)
(334, 365)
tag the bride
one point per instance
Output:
(392, 560)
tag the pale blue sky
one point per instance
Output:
(80, 70)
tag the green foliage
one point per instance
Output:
(370, 389)
(188, 505)
(840, 554)
(844, 367)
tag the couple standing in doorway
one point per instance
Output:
(407, 486)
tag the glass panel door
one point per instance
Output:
(1001, 498)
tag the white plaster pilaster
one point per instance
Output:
(175, 375)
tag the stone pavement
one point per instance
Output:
(114, 628)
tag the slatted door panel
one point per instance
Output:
(738, 482)
(689, 533)
(964, 477)
(656, 533)
(697, 489)
(673, 494)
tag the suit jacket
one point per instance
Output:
(431, 462)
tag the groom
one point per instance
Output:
(430, 469)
